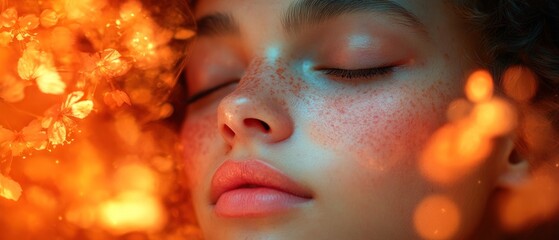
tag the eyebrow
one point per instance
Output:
(217, 24)
(312, 12)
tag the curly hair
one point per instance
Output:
(525, 34)
(520, 33)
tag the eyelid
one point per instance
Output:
(206, 92)
(357, 73)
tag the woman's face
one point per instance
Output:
(319, 117)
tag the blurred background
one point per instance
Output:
(85, 153)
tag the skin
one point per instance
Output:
(354, 142)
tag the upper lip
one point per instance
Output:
(252, 173)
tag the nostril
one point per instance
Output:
(228, 131)
(256, 123)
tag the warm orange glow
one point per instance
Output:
(463, 144)
(494, 118)
(49, 18)
(538, 132)
(459, 109)
(116, 98)
(454, 151)
(69, 72)
(28, 22)
(135, 177)
(9, 189)
(520, 83)
(128, 129)
(42, 199)
(479, 86)
(83, 11)
(132, 211)
(49, 81)
(130, 10)
(535, 201)
(437, 217)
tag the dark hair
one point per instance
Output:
(520, 33)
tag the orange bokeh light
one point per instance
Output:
(479, 86)
(457, 148)
(453, 152)
(535, 201)
(520, 83)
(132, 211)
(437, 217)
(70, 72)
(494, 118)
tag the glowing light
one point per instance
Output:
(62, 39)
(520, 83)
(49, 81)
(459, 109)
(9, 189)
(28, 22)
(42, 198)
(5, 38)
(8, 18)
(452, 152)
(128, 129)
(49, 18)
(83, 216)
(538, 132)
(466, 141)
(184, 34)
(130, 10)
(471, 148)
(534, 201)
(83, 11)
(359, 41)
(495, 117)
(479, 86)
(272, 54)
(11, 89)
(437, 217)
(135, 177)
(132, 211)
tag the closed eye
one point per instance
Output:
(197, 96)
(357, 73)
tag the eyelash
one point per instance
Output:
(358, 73)
(209, 91)
(336, 72)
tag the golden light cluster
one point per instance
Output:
(96, 74)
(478, 126)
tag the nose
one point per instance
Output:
(256, 111)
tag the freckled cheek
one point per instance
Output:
(199, 135)
(380, 130)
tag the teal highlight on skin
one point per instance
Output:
(273, 53)
(359, 41)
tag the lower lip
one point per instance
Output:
(256, 202)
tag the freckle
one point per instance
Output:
(279, 73)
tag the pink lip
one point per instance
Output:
(253, 188)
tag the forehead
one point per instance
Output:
(435, 10)
(272, 16)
